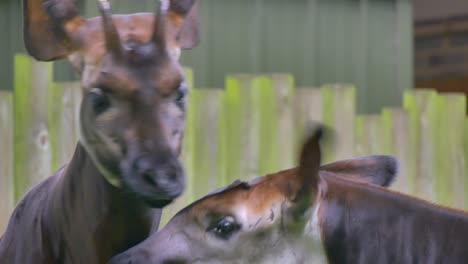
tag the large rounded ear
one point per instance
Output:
(48, 26)
(375, 169)
(183, 15)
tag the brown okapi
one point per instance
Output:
(284, 217)
(125, 167)
(268, 220)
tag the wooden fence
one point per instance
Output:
(251, 127)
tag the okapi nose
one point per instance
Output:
(158, 174)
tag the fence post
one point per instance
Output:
(32, 154)
(339, 111)
(7, 122)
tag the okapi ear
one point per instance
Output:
(375, 169)
(308, 173)
(183, 15)
(47, 28)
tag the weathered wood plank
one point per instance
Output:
(63, 105)
(7, 123)
(368, 135)
(32, 152)
(283, 88)
(339, 111)
(206, 173)
(422, 108)
(263, 107)
(307, 110)
(466, 162)
(395, 137)
(450, 160)
(242, 126)
(273, 96)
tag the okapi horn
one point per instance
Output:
(110, 31)
(159, 30)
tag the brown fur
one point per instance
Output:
(125, 167)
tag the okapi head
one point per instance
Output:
(133, 110)
(268, 220)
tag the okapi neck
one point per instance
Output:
(88, 214)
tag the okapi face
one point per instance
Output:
(133, 110)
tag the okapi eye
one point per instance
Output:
(100, 101)
(225, 227)
(181, 93)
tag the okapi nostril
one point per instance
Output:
(149, 178)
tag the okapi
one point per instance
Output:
(125, 167)
(283, 217)
(270, 219)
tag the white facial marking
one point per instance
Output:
(175, 53)
(312, 226)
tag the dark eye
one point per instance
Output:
(100, 101)
(181, 93)
(225, 227)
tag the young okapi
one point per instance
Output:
(280, 218)
(125, 167)
(267, 220)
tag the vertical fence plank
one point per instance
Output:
(466, 162)
(368, 135)
(307, 110)
(272, 96)
(263, 106)
(339, 110)
(32, 151)
(6, 162)
(207, 109)
(395, 132)
(63, 104)
(450, 158)
(283, 89)
(241, 128)
(422, 107)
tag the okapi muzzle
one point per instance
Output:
(133, 111)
